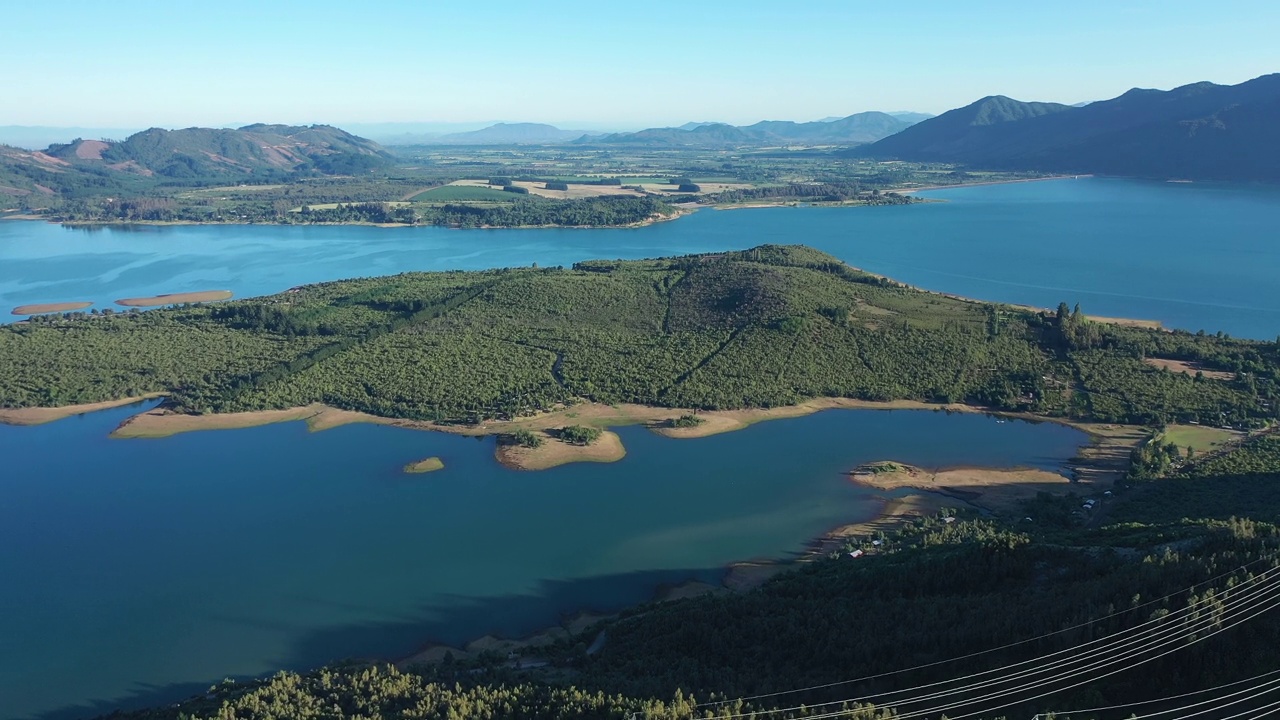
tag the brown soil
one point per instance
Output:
(39, 416)
(42, 308)
(91, 149)
(175, 298)
(998, 490)
(1188, 368)
(553, 453)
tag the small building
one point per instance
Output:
(856, 554)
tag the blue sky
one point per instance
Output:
(607, 63)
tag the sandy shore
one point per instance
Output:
(994, 489)
(553, 452)
(39, 416)
(905, 191)
(176, 298)
(42, 308)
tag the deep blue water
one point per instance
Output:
(1193, 256)
(140, 571)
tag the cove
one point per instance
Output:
(141, 571)
(1193, 256)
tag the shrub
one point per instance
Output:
(579, 434)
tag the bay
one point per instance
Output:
(141, 571)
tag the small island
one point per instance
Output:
(176, 298)
(45, 308)
(431, 464)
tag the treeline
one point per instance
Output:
(812, 192)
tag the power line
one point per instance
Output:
(982, 652)
(1241, 600)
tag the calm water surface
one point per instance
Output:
(139, 571)
(1190, 255)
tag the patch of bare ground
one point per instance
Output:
(39, 416)
(1105, 460)
(91, 149)
(993, 489)
(175, 298)
(1188, 368)
(553, 452)
(43, 308)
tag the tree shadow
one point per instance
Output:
(454, 622)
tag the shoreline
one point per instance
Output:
(160, 422)
(904, 191)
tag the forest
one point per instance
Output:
(765, 327)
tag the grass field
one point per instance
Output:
(454, 193)
(1198, 436)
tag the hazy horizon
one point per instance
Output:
(389, 62)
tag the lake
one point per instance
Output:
(142, 571)
(1192, 256)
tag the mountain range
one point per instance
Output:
(192, 154)
(1198, 131)
(858, 128)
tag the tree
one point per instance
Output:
(579, 434)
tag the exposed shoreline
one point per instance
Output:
(992, 489)
(904, 191)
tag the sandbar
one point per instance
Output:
(42, 308)
(41, 415)
(553, 453)
(176, 298)
(995, 489)
(427, 465)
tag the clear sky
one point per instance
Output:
(605, 63)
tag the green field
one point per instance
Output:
(464, 193)
(1199, 437)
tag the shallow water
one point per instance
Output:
(1190, 255)
(140, 571)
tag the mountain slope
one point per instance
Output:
(1202, 130)
(254, 150)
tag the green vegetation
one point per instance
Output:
(526, 438)
(580, 434)
(765, 327)
(463, 193)
(686, 421)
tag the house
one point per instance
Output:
(856, 554)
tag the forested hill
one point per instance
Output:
(765, 327)
(1198, 131)
(194, 156)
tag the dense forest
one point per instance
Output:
(955, 615)
(764, 327)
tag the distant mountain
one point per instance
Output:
(512, 134)
(859, 128)
(253, 150)
(911, 117)
(82, 168)
(696, 125)
(1198, 131)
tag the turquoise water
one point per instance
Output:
(1190, 255)
(141, 571)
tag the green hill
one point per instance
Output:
(251, 151)
(765, 327)
(1200, 131)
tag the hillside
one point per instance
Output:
(854, 129)
(1198, 131)
(766, 327)
(253, 150)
